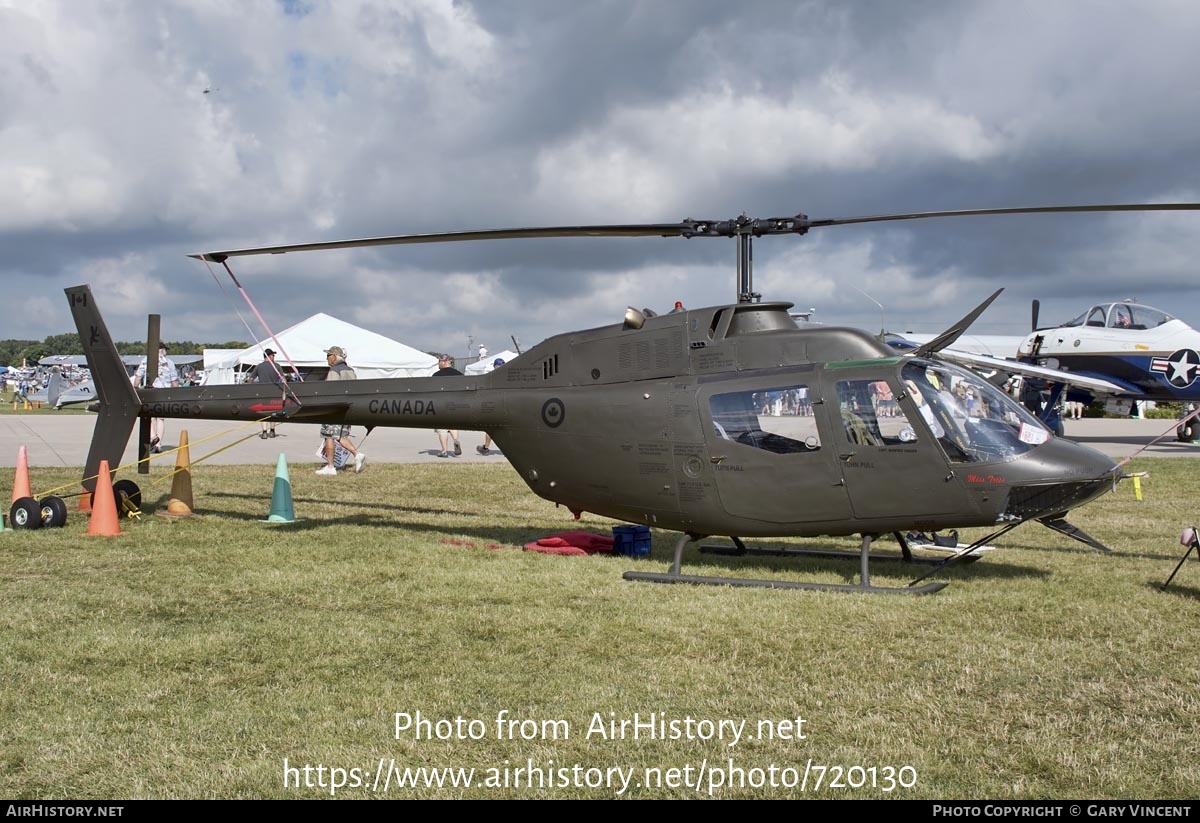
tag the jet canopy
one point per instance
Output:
(1124, 315)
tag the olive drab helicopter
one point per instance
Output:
(727, 420)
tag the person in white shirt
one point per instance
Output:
(168, 377)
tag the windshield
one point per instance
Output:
(1092, 317)
(971, 419)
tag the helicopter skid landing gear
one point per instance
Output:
(864, 586)
(740, 549)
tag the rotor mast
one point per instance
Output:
(744, 229)
(745, 267)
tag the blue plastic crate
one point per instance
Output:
(632, 541)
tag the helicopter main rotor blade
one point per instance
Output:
(742, 226)
(633, 230)
(842, 221)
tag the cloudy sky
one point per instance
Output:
(133, 134)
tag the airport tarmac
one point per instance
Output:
(63, 440)
(53, 440)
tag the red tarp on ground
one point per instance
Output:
(572, 543)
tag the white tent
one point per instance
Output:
(303, 345)
(485, 365)
(213, 373)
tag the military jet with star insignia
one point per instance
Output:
(1119, 352)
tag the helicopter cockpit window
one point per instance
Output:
(778, 419)
(870, 414)
(971, 419)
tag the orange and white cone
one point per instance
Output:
(21, 482)
(104, 522)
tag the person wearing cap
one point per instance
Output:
(446, 369)
(486, 448)
(339, 370)
(168, 377)
(268, 373)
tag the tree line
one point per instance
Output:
(12, 352)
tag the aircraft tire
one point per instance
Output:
(26, 513)
(54, 512)
(125, 489)
(1188, 432)
(130, 490)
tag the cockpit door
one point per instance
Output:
(890, 461)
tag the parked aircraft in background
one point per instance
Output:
(1149, 353)
(989, 345)
(61, 389)
(1119, 352)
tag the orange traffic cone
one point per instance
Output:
(104, 506)
(85, 500)
(180, 502)
(21, 483)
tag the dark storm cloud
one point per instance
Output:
(335, 120)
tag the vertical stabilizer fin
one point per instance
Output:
(54, 389)
(116, 398)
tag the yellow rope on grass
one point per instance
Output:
(168, 453)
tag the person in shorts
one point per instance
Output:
(446, 369)
(336, 434)
(269, 373)
(168, 377)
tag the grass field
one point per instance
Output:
(6, 407)
(191, 659)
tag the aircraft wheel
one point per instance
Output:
(1187, 432)
(127, 490)
(26, 513)
(54, 512)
